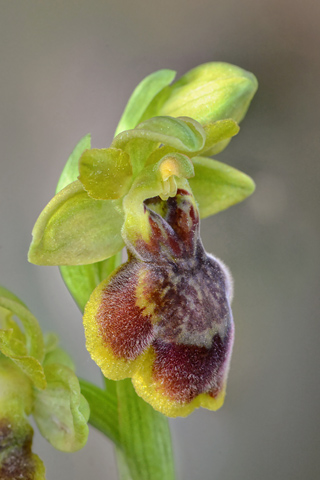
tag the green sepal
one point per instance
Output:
(16, 395)
(75, 229)
(143, 94)
(81, 280)
(60, 411)
(212, 91)
(106, 173)
(216, 186)
(70, 171)
(32, 331)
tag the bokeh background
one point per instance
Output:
(67, 68)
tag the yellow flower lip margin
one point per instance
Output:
(143, 321)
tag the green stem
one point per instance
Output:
(145, 436)
(123, 468)
(140, 434)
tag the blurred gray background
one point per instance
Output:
(67, 68)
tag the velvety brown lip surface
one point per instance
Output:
(122, 324)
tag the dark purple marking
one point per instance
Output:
(185, 371)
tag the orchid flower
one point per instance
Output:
(164, 317)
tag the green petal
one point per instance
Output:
(51, 341)
(59, 356)
(32, 330)
(70, 172)
(75, 229)
(216, 186)
(207, 93)
(60, 411)
(17, 352)
(184, 134)
(105, 173)
(142, 96)
(218, 135)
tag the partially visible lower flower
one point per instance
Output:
(36, 377)
(164, 317)
(16, 458)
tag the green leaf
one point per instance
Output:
(145, 436)
(103, 410)
(212, 91)
(81, 280)
(105, 173)
(142, 96)
(75, 229)
(70, 172)
(60, 411)
(216, 186)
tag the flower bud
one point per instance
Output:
(210, 92)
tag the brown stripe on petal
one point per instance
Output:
(174, 228)
(185, 371)
(183, 217)
(162, 237)
(122, 324)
